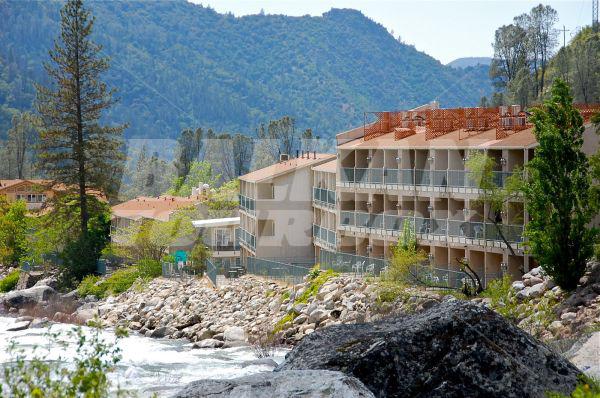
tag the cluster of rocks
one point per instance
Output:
(339, 300)
(572, 312)
(453, 349)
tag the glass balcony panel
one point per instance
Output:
(439, 226)
(440, 178)
(422, 177)
(406, 176)
(377, 221)
(361, 176)
(347, 218)
(391, 176)
(347, 174)
(363, 220)
(422, 225)
(376, 176)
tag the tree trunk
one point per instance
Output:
(80, 153)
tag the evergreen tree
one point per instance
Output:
(559, 192)
(75, 150)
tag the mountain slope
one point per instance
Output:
(470, 61)
(177, 65)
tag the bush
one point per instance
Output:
(149, 268)
(317, 280)
(9, 282)
(586, 388)
(117, 283)
(91, 285)
(121, 280)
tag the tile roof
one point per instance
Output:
(9, 183)
(157, 208)
(281, 168)
(454, 139)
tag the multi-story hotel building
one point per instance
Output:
(411, 167)
(276, 210)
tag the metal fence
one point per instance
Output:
(426, 274)
(351, 263)
(211, 272)
(278, 270)
(172, 270)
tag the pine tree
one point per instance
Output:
(559, 193)
(75, 150)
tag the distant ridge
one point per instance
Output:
(178, 64)
(465, 62)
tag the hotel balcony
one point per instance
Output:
(411, 179)
(247, 205)
(324, 238)
(324, 198)
(433, 229)
(247, 240)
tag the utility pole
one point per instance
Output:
(564, 30)
(595, 27)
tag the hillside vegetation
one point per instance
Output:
(180, 65)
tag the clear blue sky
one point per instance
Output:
(443, 29)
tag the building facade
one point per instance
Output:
(407, 169)
(276, 211)
(34, 193)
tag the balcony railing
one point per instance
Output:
(417, 177)
(324, 197)
(247, 238)
(247, 204)
(324, 236)
(433, 226)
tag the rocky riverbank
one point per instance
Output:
(249, 308)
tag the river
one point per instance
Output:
(148, 365)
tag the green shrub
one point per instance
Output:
(388, 292)
(313, 288)
(116, 283)
(285, 322)
(149, 268)
(91, 285)
(121, 280)
(9, 282)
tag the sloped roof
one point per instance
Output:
(281, 168)
(157, 208)
(328, 167)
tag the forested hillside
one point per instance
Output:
(180, 65)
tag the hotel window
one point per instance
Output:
(222, 237)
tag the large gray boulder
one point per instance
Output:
(28, 298)
(293, 383)
(586, 355)
(454, 349)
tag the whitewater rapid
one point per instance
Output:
(148, 365)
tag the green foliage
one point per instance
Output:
(405, 256)
(285, 295)
(200, 253)
(118, 282)
(586, 388)
(14, 227)
(9, 282)
(40, 377)
(149, 268)
(199, 173)
(285, 321)
(559, 193)
(151, 239)
(503, 300)
(278, 73)
(91, 286)
(316, 281)
(388, 292)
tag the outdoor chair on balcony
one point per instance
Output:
(357, 268)
(370, 270)
(478, 229)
